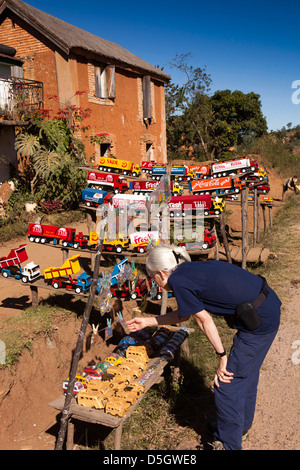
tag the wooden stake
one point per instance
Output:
(79, 346)
(255, 218)
(244, 211)
(223, 231)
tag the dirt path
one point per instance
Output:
(277, 419)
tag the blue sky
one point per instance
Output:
(247, 46)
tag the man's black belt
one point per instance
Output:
(265, 290)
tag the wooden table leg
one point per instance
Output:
(118, 436)
(34, 297)
(70, 435)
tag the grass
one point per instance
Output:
(19, 332)
(16, 226)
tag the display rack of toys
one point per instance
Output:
(116, 383)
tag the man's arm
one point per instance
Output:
(170, 318)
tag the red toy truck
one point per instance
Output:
(183, 205)
(112, 182)
(147, 166)
(50, 233)
(145, 187)
(209, 240)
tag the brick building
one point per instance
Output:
(125, 93)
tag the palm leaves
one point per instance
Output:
(26, 144)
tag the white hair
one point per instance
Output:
(165, 258)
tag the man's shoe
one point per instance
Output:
(218, 445)
(212, 427)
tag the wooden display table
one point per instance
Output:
(91, 415)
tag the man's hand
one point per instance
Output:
(138, 323)
(222, 373)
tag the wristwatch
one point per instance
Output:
(221, 354)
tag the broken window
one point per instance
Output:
(105, 81)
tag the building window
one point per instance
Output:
(149, 152)
(147, 112)
(105, 148)
(105, 82)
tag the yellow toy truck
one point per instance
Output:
(115, 165)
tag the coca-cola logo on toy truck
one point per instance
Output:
(212, 183)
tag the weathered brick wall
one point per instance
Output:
(122, 117)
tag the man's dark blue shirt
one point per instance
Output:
(219, 287)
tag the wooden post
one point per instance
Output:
(244, 213)
(264, 217)
(79, 346)
(34, 297)
(258, 216)
(223, 231)
(255, 218)
(270, 216)
(118, 437)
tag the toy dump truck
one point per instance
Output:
(10, 266)
(115, 165)
(70, 266)
(59, 277)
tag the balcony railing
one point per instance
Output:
(20, 99)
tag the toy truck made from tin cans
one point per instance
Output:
(134, 201)
(107, 182)
(201, 171)
(147, 166)
(209, 240)
(50, 233)
(233, 167)
(144, 187)
(115, 165)
(181, 206)
(139, 240)
(94, 197)
(224, 185)
(178, 173)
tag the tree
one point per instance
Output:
(236, 117)
(209, 125)
(188, 111)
